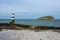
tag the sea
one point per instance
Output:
(35, 22)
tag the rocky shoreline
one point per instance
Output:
(20, 26)
(29, 35)
(28, 32)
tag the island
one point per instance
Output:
(46, 18)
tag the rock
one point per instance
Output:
(33, 27)
(29, 35)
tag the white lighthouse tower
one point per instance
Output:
(12, 18)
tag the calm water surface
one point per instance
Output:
(55, 23)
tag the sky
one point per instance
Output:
(29, 9)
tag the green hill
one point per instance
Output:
(46, 18)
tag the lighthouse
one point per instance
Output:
(12, 18)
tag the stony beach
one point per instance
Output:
(29, 35)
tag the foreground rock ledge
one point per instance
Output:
(29, 35)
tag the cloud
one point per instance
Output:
(35, 8)
(43, 5)
(8, 9)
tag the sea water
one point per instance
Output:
(55, 23)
